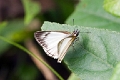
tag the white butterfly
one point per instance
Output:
(56, 43)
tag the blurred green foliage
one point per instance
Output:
(112, 6)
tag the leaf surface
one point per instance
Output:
(94, 55)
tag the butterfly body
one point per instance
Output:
(56, 43)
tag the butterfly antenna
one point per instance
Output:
(79, 30)
(73, 22)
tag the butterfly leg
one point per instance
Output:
(76, 39)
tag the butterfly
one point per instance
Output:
(56, 43)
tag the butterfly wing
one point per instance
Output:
(63, 46)
(65, 43)
(50, 40)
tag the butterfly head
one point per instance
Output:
(76, 32)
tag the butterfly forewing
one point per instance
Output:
(49, 41)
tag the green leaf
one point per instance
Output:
(8, 30)
(116, 73)
(31, 10)
(112, 6)
(73, 77)
(2, 25)
(94, 55)
(90, 13)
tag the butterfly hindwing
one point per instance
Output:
(63, 46)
